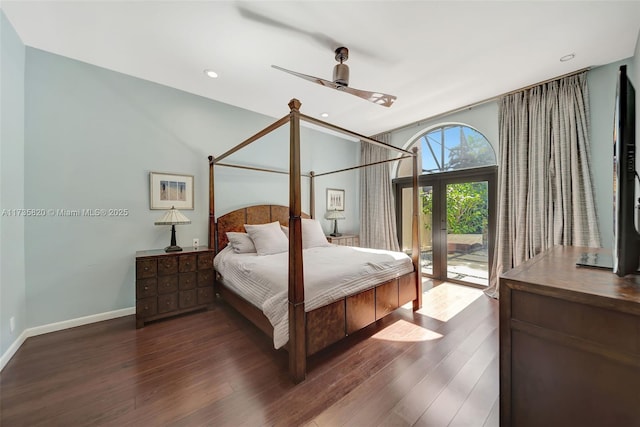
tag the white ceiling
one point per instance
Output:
(435, 56)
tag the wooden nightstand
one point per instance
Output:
(345, 240)
(172, 283)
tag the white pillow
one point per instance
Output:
(285, 230)
(312, 234)
(268, 238)
(241, 242)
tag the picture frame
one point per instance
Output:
(167, 190)
(335, 199)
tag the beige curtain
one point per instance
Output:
(377, 212)
(545, 190)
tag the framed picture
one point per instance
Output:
(167, 190)
(335, 199)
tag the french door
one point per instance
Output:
(457, 223)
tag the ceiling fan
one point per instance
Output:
(341, 81)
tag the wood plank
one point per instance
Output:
(216, 368)
(373, 400)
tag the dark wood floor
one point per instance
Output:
(435, 367)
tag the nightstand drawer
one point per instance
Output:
(168, 302)
(205, 278)
(146, 288)
(205, 261)
(187, 281)
(205, 295)
(146, 268)
(188, 298)
(345, 240)
(167, 284)
(146, 307)
(167, 265)
(187, 263)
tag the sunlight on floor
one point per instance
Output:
(444, 301)
(404, 331)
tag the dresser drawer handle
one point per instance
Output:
(168, 302)
(146, 268)
(146, 288)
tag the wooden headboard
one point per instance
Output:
(258, 214)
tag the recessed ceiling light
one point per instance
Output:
(568, 57)
(211, 73)
(325, 115)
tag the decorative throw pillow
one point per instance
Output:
(241, 242)
(268, 238)
(312, 234)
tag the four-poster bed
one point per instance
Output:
(313, 330)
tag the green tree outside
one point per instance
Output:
(467, 207)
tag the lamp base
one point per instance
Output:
(172, 249)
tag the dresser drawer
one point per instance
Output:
(146, 268)
(146, 307)
(205, 278)
(167, 265)
(168, 302)
(205, 295)
(167, 284)
(187, 298)
(187, 281)
(205, 261)
(187, 263)
(146, 288)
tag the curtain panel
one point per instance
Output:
(377, 212)
(545, 189)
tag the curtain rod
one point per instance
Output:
(484, 101)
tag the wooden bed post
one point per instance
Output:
(297, 321)
(212, 217)
(312, 195)
(415, 231)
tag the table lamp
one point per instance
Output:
(173, 217)
(335, 216)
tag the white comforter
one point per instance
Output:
(330, 273)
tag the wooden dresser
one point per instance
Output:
(345, 240)
(569, 344)
(172, 283)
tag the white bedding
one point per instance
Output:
(330, 273)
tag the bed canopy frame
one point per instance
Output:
(297, 329)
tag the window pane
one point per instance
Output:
(450, 147)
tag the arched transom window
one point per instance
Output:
(450, 147)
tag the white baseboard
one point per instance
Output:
(58, 326)
(12, 349)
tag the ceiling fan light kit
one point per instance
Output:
(341, 80)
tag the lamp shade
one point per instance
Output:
(172, 217)
(334, 215)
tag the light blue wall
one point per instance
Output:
(12, 248)
(92, 137)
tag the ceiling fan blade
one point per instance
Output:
(320, 38)
(313, 79)
(375, 97)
